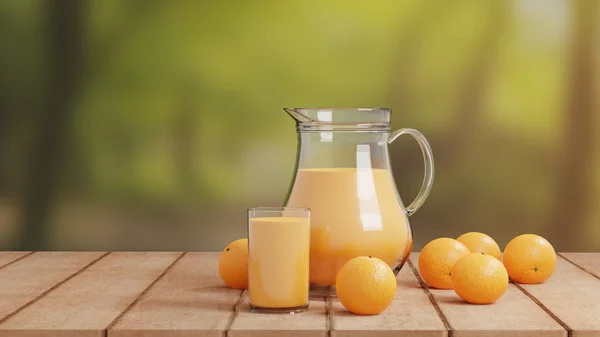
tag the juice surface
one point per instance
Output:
(353, 212)
(278, 261)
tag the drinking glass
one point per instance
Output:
(278, 258)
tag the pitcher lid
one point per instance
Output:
(372, 119)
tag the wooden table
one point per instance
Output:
(132, 294)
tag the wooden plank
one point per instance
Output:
(9, 257)
(312, 322)
(27, 279)
(589, 262)
(411, 314)
(514, 314)
(87, 304)
(189, 300)
(82, 294)
(573, 296)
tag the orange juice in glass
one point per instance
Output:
(278, 258)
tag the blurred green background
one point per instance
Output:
(153, 125)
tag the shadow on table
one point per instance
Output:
(454, 299)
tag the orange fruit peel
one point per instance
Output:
(479, 278)
(437, 259)
(233, 264)
(529, 259)
(366, 285)
(481, 243)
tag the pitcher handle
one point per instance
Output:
(429, 169)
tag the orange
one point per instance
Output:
(529, 258)
(365, 285)
(437, 259)
(233, 264)
(479, 279)
(480, 243)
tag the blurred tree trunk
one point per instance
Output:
(574, 180)
(64, 58)
(403, 69)
(473, 87)
(467, 127)
(401, 89)
(5, 118)
(4, 129)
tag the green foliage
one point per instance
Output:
(181, 101)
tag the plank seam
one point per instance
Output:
(16, 260)
(328, 318)
(578, 266)
(534, 299)
(432, 299)
(236, 309)
(37, 298)
(142, 294)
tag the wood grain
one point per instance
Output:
(25, 280)
(412, 313)
(86, 304)
(312, 322)
(9, 257)
(514, 314)
(589, 262)
(155, 294)
(573, 296)
(190, 300)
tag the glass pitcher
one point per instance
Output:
(343, 175)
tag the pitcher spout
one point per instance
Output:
(298, 115)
